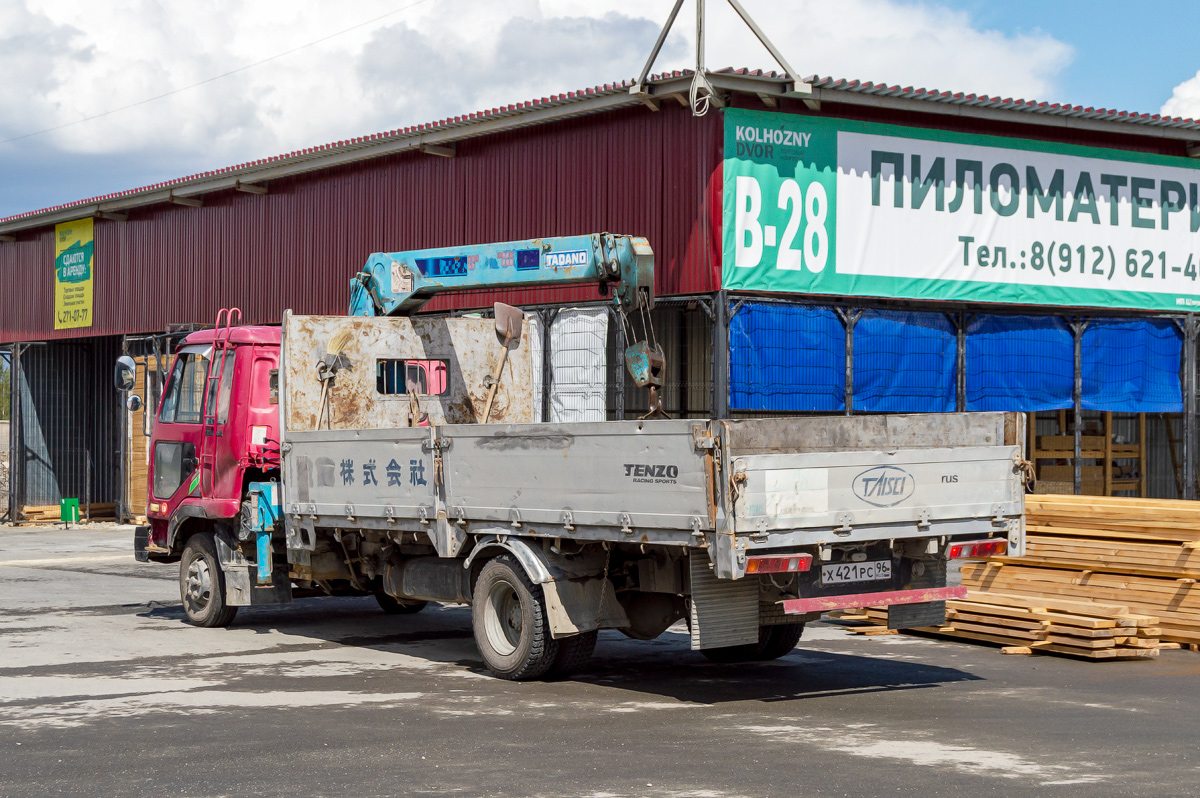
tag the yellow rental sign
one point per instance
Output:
(73, 274)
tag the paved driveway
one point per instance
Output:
(105, 691)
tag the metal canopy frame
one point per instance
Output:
(702, 92)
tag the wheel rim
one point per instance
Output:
(503, 618)
(199, 586)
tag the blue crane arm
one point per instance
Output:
(398, 283)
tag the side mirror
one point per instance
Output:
(134, 403)
(125, 375)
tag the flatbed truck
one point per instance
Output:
(393, 455)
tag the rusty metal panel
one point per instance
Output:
(469, 347)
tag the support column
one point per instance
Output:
(1189, 406)
(961, 320)
(1077, 327)
(619, 345)
(720, 356)
(849, 319)
(547, 317)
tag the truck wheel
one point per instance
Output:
(781, 639)
(509, 617)
(573, 653)
(202, 584)
(746, 652)
(392, 606)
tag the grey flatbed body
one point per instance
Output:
(733, 486)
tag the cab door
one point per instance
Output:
(179, 430)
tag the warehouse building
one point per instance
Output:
(821, 247)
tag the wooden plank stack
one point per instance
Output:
(1142, 554)
(52, 513)
(1045, 625)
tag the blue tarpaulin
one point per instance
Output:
(786, 358)
(904, 362)
(1022, 363)
(1131, 366)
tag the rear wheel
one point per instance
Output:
(393, 606)
(512, 631)
(202, 584)
(781, 639)
(573, 653)
(727, 654)
(773, 642)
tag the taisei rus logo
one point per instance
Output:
(884, 486)
(652, 473)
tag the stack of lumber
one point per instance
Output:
(1143, 554)
(52, 513)
(1024, 625)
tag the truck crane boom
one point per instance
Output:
(399, 283)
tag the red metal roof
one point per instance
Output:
(465, 122)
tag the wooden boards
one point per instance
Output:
(1142, 554)
(52, 513)
(1093, 631)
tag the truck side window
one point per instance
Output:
(426, 377)
(183, 399)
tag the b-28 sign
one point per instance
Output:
(839, 207)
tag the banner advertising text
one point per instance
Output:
(838, 207)
(73, 274)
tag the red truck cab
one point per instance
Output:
(205, 449)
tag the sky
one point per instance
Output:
(279, 75)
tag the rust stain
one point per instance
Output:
(468, 346)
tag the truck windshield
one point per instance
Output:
(183, 400)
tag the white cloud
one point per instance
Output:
(67, 59)
(1185, 100)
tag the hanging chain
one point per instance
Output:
(604, 583)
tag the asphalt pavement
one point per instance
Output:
(104, 690)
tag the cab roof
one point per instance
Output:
(238, 335)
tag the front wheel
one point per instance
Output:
(508, 614)
(202, 584)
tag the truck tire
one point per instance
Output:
(781, 639)
(573, 653)
(202, 584)
(393, 606)
(508, 614)
(747, 652)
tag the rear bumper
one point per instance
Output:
(826, 603)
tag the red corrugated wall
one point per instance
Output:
(629, 171)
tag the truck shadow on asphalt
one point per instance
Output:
(665, 667)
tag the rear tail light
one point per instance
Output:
(979, 548)
(778, 565)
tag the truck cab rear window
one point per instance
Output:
(401, 377)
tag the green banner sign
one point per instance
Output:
(836, 207)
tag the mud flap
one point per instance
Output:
(724, 612)
(909, 616)
(141, 543)
(240, 590)
(572, 606)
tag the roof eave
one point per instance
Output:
(662, 89)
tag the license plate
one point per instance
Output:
(843, 572)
